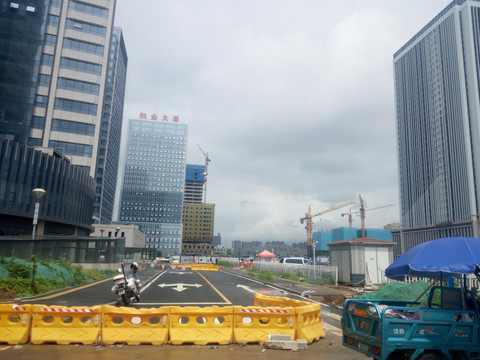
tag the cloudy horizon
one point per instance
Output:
(293, 101)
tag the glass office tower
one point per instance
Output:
(154, 181)
(62, 80)
(22, 32)
(111, 129)
(437, 91)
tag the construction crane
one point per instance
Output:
(362, 213)
(309, 224)
(205, 174)
(350, 220)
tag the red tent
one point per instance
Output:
(266, 254)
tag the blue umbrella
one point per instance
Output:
(437, 258)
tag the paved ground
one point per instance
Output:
(328, 348)
(325, 349)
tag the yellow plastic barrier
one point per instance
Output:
(65, 325)
(277, 301)
(309, 323)
(194, 266)
(253, 324)
(14, 323)
(201, 326)
(307, 314)
(135, 326)
(204, 267)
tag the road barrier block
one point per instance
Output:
(307, 314)
(253, 324)
(309, 323)
(65, 325)
(277, 301)
(15, 323)
(201, 326)
(204, 267)
(135, 326)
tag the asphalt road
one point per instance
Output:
(183, 287)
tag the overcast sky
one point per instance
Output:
(293, 101)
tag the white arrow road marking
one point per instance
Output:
(180, 286)
(245, 287)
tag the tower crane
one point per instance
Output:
(363, 210)
(350, 220)
(205, 174)
(309, 224)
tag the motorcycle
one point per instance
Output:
(127, 287)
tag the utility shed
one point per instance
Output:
(361, 261)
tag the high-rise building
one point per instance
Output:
(154, 181)
(62, 79)
(198, 223)
(438, 127)
(111, 129)
(194, 182)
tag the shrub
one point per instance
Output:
(17, 270)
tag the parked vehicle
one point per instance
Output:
(127, 287)
(294, 260)
(447, 327)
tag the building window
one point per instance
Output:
(83, 66)
(83, 46)
(53, 20)
(86, 27)
(77, 85)
(73, 127)
(88, 9)
(41, 101)
(50, 40)
(44, 80)
(47, 60)
(56, 3)
(38, 122)
(72, 148)
(75, 106)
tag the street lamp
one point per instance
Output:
(38, 194)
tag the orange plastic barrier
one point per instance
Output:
(135, 326)
(14, 323)
(65, 325)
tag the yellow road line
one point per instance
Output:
(51, 296)
(216, 290)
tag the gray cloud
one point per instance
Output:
(293, 100)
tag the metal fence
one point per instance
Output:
(315, 273)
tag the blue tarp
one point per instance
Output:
(438, 258)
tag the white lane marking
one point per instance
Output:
(245, 287)
(179, 286)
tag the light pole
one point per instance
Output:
(38, 194)
(314, 245)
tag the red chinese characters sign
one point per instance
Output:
(155, 117)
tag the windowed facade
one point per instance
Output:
(68, 199)
(54, 90)
(112, 119)
(437, 114)
(154, 179)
